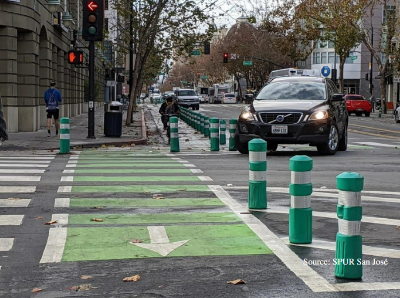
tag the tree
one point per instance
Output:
(171, 24)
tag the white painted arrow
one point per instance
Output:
(160, 241)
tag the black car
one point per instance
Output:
(296, 110)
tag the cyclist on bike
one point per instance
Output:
(167, 108)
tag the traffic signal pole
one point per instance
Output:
(91, 91)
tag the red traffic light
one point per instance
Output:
(75, 57)
(225, 55)
(92, 5)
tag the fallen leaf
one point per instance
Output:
(189, 148)
(39, 217)
(186, 140)
(51, 150)
(96, 219)
(398, 227)
(132, 278)
(35, 290)
(236, 281)
(158, 198)
(146, 192)
(86, 277)
(13, 199)
(98, 207)
(50, 222)
(86, 287)
(74, 288)
(183, 189)
(136, 241)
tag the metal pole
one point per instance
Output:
(371, 63)
(91, 91)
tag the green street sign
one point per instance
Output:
(204, 77)
(247, 63)
(195, 53)
(353, 57)
(161, 74)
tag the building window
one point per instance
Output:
(317, 58)
(391, 10)
(302, 63)
(331, 57)
(323, 57)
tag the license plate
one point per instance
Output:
(359, 109)
(279, 129)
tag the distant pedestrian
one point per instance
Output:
(52, 97)
(3, 126)
(372, 100)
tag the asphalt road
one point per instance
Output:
(147, 196)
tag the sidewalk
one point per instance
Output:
(134, 134)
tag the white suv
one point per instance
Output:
(187, 98)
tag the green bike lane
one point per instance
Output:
(142, 205)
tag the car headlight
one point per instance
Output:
(247, 115)
(319, 115)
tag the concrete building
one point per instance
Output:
(34, 43)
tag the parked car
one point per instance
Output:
(296, 109)
(397, 113)
(203, 98)
(187, 98)
(155, 98)
(358, 104)
(229, 98)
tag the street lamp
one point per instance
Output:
(67, 19)
(53, 5)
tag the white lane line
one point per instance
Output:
(68, 171)
(72, 161)
(24, 165)
(373, 286)
(27, 157)
(6, 244)
(26, 161)
(67, 178)
(73, 157)
(196, 171)
(70, 166)
(377, 144)
(55, 246)
(367, 250)
(170, 154)
(61, 203)
(62, 219)
(183, 161)
(21, 171)
(205, 178)
(311, 278)
(76, 152)
(367, 219)
(189, 165)
(176, 158)
(19, 178)
(11, 220)
(64, 189)
(7, 203)
(17, 189)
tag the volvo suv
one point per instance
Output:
(296, 107)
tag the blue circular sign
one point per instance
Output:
(325, 71)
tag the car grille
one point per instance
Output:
(289, 118)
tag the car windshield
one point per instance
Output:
(186, 93)
(229, 95)
(293, 90)
(354, 98)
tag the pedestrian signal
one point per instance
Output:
(75, 57)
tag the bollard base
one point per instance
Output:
(348, 256)
(257, 194)
(222, 139)
(232, 144)
(300, 225)
(174, 142)
(214, 142)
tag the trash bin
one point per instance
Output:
(113, 119)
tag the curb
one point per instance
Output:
(142, 141)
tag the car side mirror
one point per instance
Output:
(337, 97)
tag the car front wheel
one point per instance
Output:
(343, 140)
(330, 147)
(241, 147)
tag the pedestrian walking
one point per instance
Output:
(372, 100)
(3, 126)
(52, 97)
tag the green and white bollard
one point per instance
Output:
(348, 255)
(202, 123)
(214, 134)
(64, 136)
(174, 136)
(257, 174)
(232, 130)
(300, 212)
(206, 126)
(222, 132)
(198, 122)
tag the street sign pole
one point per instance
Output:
(91, 91)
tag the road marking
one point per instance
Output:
(373, 286)
(11, 220)
(367, 250)
(62, 203)
(368, 219)
(6, 244)
(160, 242)
(373, 134)
(377, 144)
(64, 189)
(67, 178)
(68, 171)
(12, 171)
(19, 178)
(205, 178)
(70, 166)
(312, 279)
(61, 219)
(189, 165)
(196, 171)
(72, 161)
(17, 189)
(24, 165)
(7, 203)
(26, 157)
(55, 245)
(375, 128)
(26, 161)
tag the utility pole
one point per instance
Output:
(91, 91)
(371, 63)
